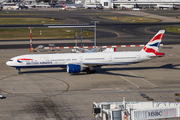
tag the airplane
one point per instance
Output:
(77, 62)
(63, 8)
(69, 6)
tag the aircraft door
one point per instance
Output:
(110, 58)
(138, 57)
(81, 59)
(44, 59)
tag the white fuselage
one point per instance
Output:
(89, 59)
(72, 7)
(9, 6)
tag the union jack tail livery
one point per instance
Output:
(153, 45)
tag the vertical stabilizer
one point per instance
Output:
(153, 45)
(64, 6)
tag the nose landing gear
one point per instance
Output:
(19, 71)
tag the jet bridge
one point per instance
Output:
(136, 110)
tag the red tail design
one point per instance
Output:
(153, 45)
(157, 37)
(64, 5)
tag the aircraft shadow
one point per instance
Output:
(107, 71)
(44, 71)
(118, 74)
(167, 66)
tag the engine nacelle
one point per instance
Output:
(73, 68)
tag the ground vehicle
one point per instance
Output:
(135, 9)
(23, 7)
(144, 95)
(150, 99)
(177, 94)
(1, 96)
(177, 99)
(94, 5)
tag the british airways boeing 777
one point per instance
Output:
(77, 62)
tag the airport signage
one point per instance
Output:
(155, 114)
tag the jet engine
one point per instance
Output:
(73, 68)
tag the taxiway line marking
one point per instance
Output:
(116, 33)
(111, 32)
(59, 80)
(124, 78)
(39, 97)
(55, 95)
(51, 109)
(148, 31)
(137, 76)
(15, 93)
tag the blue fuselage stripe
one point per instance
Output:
(39, 66)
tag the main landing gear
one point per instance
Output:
(90, 70)
(19, 71)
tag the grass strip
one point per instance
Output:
(20, 14)
(133, 19)
(173, 29)
(29, 21)
(17, 34)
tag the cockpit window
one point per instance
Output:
(10, 60)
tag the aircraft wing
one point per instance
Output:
(102, 50)
(79, 50)
(83, 50)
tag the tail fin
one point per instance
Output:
(64, 5)
(153, 45)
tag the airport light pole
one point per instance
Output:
(31, 48)
(76, 38)
(95, 22)
(81, 38)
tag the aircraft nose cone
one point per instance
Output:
(7, 63)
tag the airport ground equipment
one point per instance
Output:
(110, 46)
(136, 110)
(1, 96)
(76, 49)
(177, 94)
(144, 95)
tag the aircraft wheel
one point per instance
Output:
(19, 73)
(93, 71)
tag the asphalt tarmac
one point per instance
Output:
(52, 94)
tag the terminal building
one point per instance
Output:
(110, 4)
(133, 3)
(136, 110)
(146, 4)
